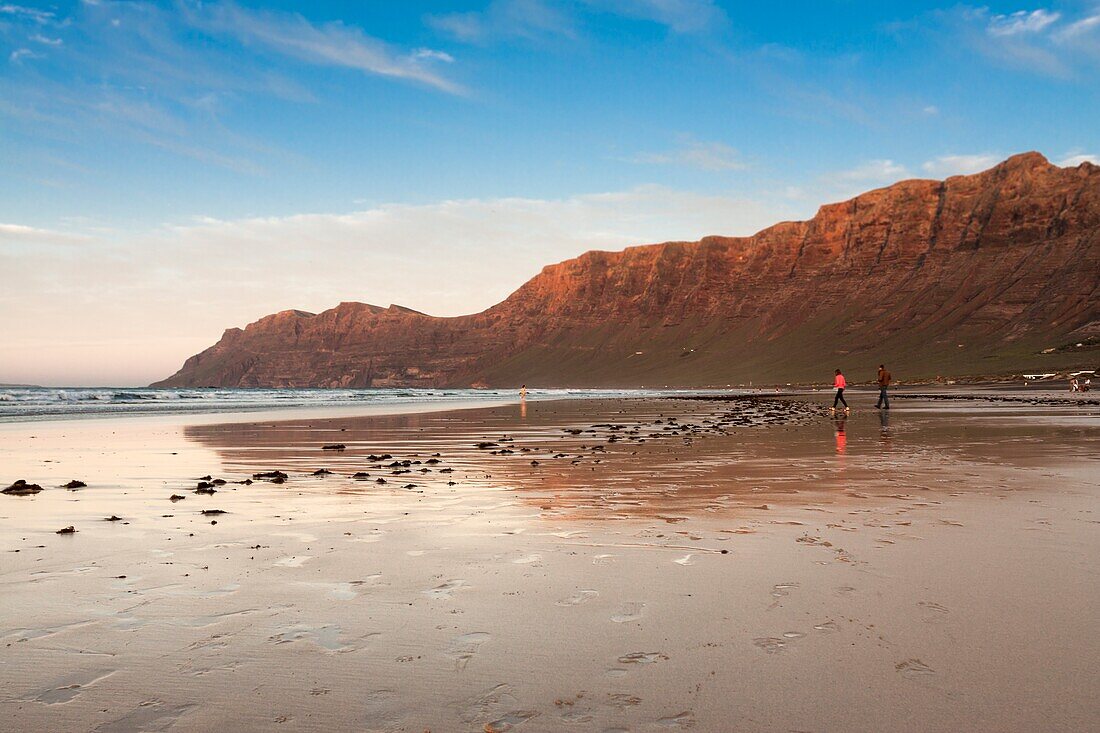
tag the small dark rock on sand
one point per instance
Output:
(269, 475)
(208, 489)
(212, 512)
(67, 530)
(322, 472)
(113, 518)
(74, 484)
(22, 488)
(176, 497)
(334, 446)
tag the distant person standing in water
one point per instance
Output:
(523, 392)
(840, 383)
(884, 379)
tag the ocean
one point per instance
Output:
(20, 404)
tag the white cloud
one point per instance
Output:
(957, 165)
(17, 56)
(20, 233)
(433, 55)
(874, 171)
(175, 289)
(1076, 159)
(38, 16)
(531, 20)
(681, 16)
(710, 156)
(1022, 21)
(329, 44)
(931, 110)
(1079, 28)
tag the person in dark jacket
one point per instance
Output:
(884, 379)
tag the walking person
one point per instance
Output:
(884, 379)
(840, 383)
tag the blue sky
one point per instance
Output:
(280, 153)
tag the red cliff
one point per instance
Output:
(973, 275)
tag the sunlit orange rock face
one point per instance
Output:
(973, 275)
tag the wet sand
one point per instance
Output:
(645, 565)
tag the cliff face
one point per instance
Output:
(972, 275)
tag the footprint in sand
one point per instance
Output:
(446, 590)
(642, 658)
(685, 719)
(69, 686)
(782, 589)
(149, 715)
(913, 669)
(294, 561)
(629, 612)
(463, 648)
(578, 598)
(828, 627)
(936, 611)
(621, 700)
(770, 644)
(326, 637)
(509, 721)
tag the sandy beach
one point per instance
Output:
(752, 564)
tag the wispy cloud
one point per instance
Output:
(530, 20)
(874, 171)
(330, 44)
(25, 234)
(1041, 41)
(957, 165)
(1021, 22)
(21, 54)
(1075, 159)
(34, 14)
(709, 156)
(680, 16)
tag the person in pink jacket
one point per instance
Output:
(840, 383)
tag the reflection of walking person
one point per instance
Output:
(840, 383)
(841, 436)
(884, 380)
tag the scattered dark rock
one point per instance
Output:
(22, 488)
(113, 518)
(176, 497)
(322, 472)
(74, 484)
(212, 512)
(269, 475)
(360, 474)
(278, 480)
(219, 482)
(207, 490)
(66, 530)
(485, 444)
(204, 485)
(334, 446)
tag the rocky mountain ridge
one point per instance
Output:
(976, 274)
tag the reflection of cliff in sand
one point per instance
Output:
(599, 459)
